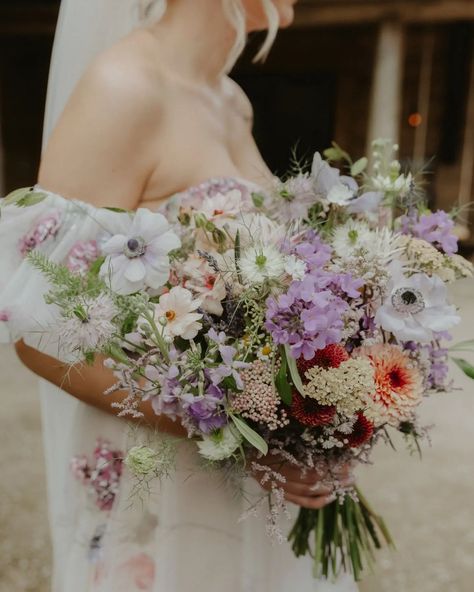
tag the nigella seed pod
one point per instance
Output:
(407, 300)
(135, 247)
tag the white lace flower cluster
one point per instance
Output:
(347, 387)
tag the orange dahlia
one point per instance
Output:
(399, 385)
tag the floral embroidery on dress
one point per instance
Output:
(81, 256)
(137, 573)
(102, 476)
(46, 227)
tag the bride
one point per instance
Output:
(154, 115)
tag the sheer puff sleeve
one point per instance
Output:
(68, 232)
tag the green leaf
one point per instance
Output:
(14, 196)
(463, 346)
(295, 375)
(258, 199)
(250, 435)
(24, 197)
(31, 199)
(331, 154)
(117, 353)
(359, 166)
(117, 210)
(96, 265)
(465, 366)
(336, 153)
(281, 382)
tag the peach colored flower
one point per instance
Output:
(399, 385)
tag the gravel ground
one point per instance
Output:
(428, 505)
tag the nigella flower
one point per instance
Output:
(89, 325)
(138, 258)
(221, 444)
(415, 307)
(294, 197)
(435, 228)
(260, 262)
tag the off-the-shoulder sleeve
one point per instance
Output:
(68, 232)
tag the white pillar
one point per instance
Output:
(384, 119)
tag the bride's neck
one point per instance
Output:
(196, 41)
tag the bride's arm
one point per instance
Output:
(88, 384)
(100, 153)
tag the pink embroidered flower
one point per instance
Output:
(102, 477)
(45, 227)
(137, 573)
(4, 316)
(81, 255)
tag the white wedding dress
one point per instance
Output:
(185, 536)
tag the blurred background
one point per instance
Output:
(350, 71)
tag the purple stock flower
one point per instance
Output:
(206, 410)
(314, 251)
(435, 228)
(308, 317)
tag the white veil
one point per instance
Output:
(85, 28)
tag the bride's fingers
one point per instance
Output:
(311, 503)
(307, 490)
(308, 476)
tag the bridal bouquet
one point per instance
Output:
(305, 322)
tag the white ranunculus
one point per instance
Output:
(220, 445)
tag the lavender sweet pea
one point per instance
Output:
(435, 228)
(206, 410)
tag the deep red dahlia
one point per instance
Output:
(309, 412)
(331, 356)
(363, 431)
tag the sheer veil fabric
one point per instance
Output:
(186, 536)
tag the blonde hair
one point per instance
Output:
(153, 10)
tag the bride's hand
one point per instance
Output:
(308, 489)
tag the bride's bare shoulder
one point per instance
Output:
(127, 71)
(108, 127)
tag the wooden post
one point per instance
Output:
(424, 95)
(467, 159)
(384, 121)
